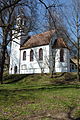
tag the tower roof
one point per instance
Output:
(60, 43)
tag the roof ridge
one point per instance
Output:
(43, 33)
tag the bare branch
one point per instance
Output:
(10, 5)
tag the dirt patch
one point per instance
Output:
(44, 116)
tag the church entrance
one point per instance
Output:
(15, 69)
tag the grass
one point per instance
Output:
(39, 97)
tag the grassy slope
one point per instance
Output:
(39, 97)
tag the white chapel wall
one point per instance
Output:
(15, 55)
(36, 66)
(62, 66)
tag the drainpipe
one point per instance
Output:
(19, 61)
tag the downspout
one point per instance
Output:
(19, 61)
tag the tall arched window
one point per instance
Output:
(15, 69)
(24, 55)
(21, 22)
(40, 54)
(31, 55)
(25, 22)
(61, 55)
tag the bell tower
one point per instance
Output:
(18, 37)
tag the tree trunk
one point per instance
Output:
(2, 64)
(77, 29)
(78, 75)
(3, 56)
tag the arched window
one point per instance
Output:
(25, 22)
(31, 55)
(18, 22)
(61, 55)
(15, 69)
(21, 22)
(24, 55)
(11, 69)
(72, 67)
(40, 54)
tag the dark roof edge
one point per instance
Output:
(33, 47)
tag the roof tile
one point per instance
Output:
(59, 43)
(38, 40)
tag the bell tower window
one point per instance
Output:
(25, 22)
(21, 21)
(15, 69)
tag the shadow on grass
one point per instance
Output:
(69, 114)
(41, 87)
(77, 118)
(7, 93)
(57, 76)
(3, 119)
(58, 79)
(9, 79)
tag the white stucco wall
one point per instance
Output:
(62, 66)
(36, 66)
(14, 56)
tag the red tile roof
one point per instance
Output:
(38, 40)
(59, 43)
(44, 39)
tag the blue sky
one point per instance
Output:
(41, 11)
(66, 8)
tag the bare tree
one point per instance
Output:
(73, 24)
(9, 10)
(54, 20)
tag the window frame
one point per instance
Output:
(24, 55)
(73, 67)
(24, 22)
(15, 69)
(31, 55)
(61, 55)
(23, 66)
(40, 54)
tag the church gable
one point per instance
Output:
(59, 43)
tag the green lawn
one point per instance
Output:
(39, 97)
